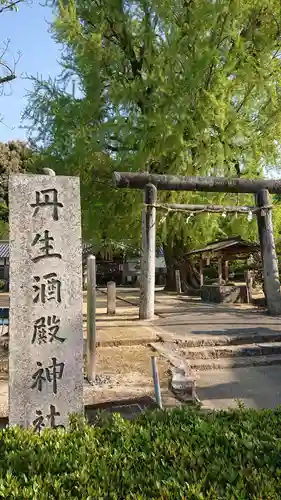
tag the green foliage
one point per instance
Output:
(187, 88)
(176, 454)
(4, 229)
(15, 157)
(9, 5)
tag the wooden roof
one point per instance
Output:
(235, 246)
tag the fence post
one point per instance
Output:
(201, 272)
(249, 285)
(91, 318)
(157, 389)
(111, 298)
(178, 281)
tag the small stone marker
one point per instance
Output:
(111, 298)
(178, 281)
(46, 320)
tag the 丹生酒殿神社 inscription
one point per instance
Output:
(46, 321)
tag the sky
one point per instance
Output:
(28, 32)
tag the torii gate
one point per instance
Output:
(259, 187)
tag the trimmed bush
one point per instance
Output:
(181, 454)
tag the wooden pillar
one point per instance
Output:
(201, 272)
(226, 271)
(91, 319)
(142, 306)
(6, 270)
(270, 263)
(220, 270)
(148, 262)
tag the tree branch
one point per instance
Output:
(7, 78)
(10, 5)
(219, 40)
(117, 149)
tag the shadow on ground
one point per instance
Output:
(255, 386)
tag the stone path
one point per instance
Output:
(226, 348)
(254, 386)
(234, 351)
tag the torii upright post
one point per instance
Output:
(147, 292)
(270, 263)
(142, 304)
(260, 187)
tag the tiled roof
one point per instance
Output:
(4, 250)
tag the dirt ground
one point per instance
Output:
(130, 372)
(124, 354)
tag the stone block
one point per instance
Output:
(228, 294)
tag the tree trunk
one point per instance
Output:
(190, 276)
(170, 268)
(175, 259)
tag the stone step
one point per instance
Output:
(220, 339)
(232, 351)
(229, 363)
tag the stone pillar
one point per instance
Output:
(270, 263)
(249, 285)
(201, 272)
(46, 301)
(178, 281)
(111, 298)
(226, 271)
(220, 270)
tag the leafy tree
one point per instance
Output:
(15, 157)
(187, 87)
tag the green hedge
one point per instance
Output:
(181, 454)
